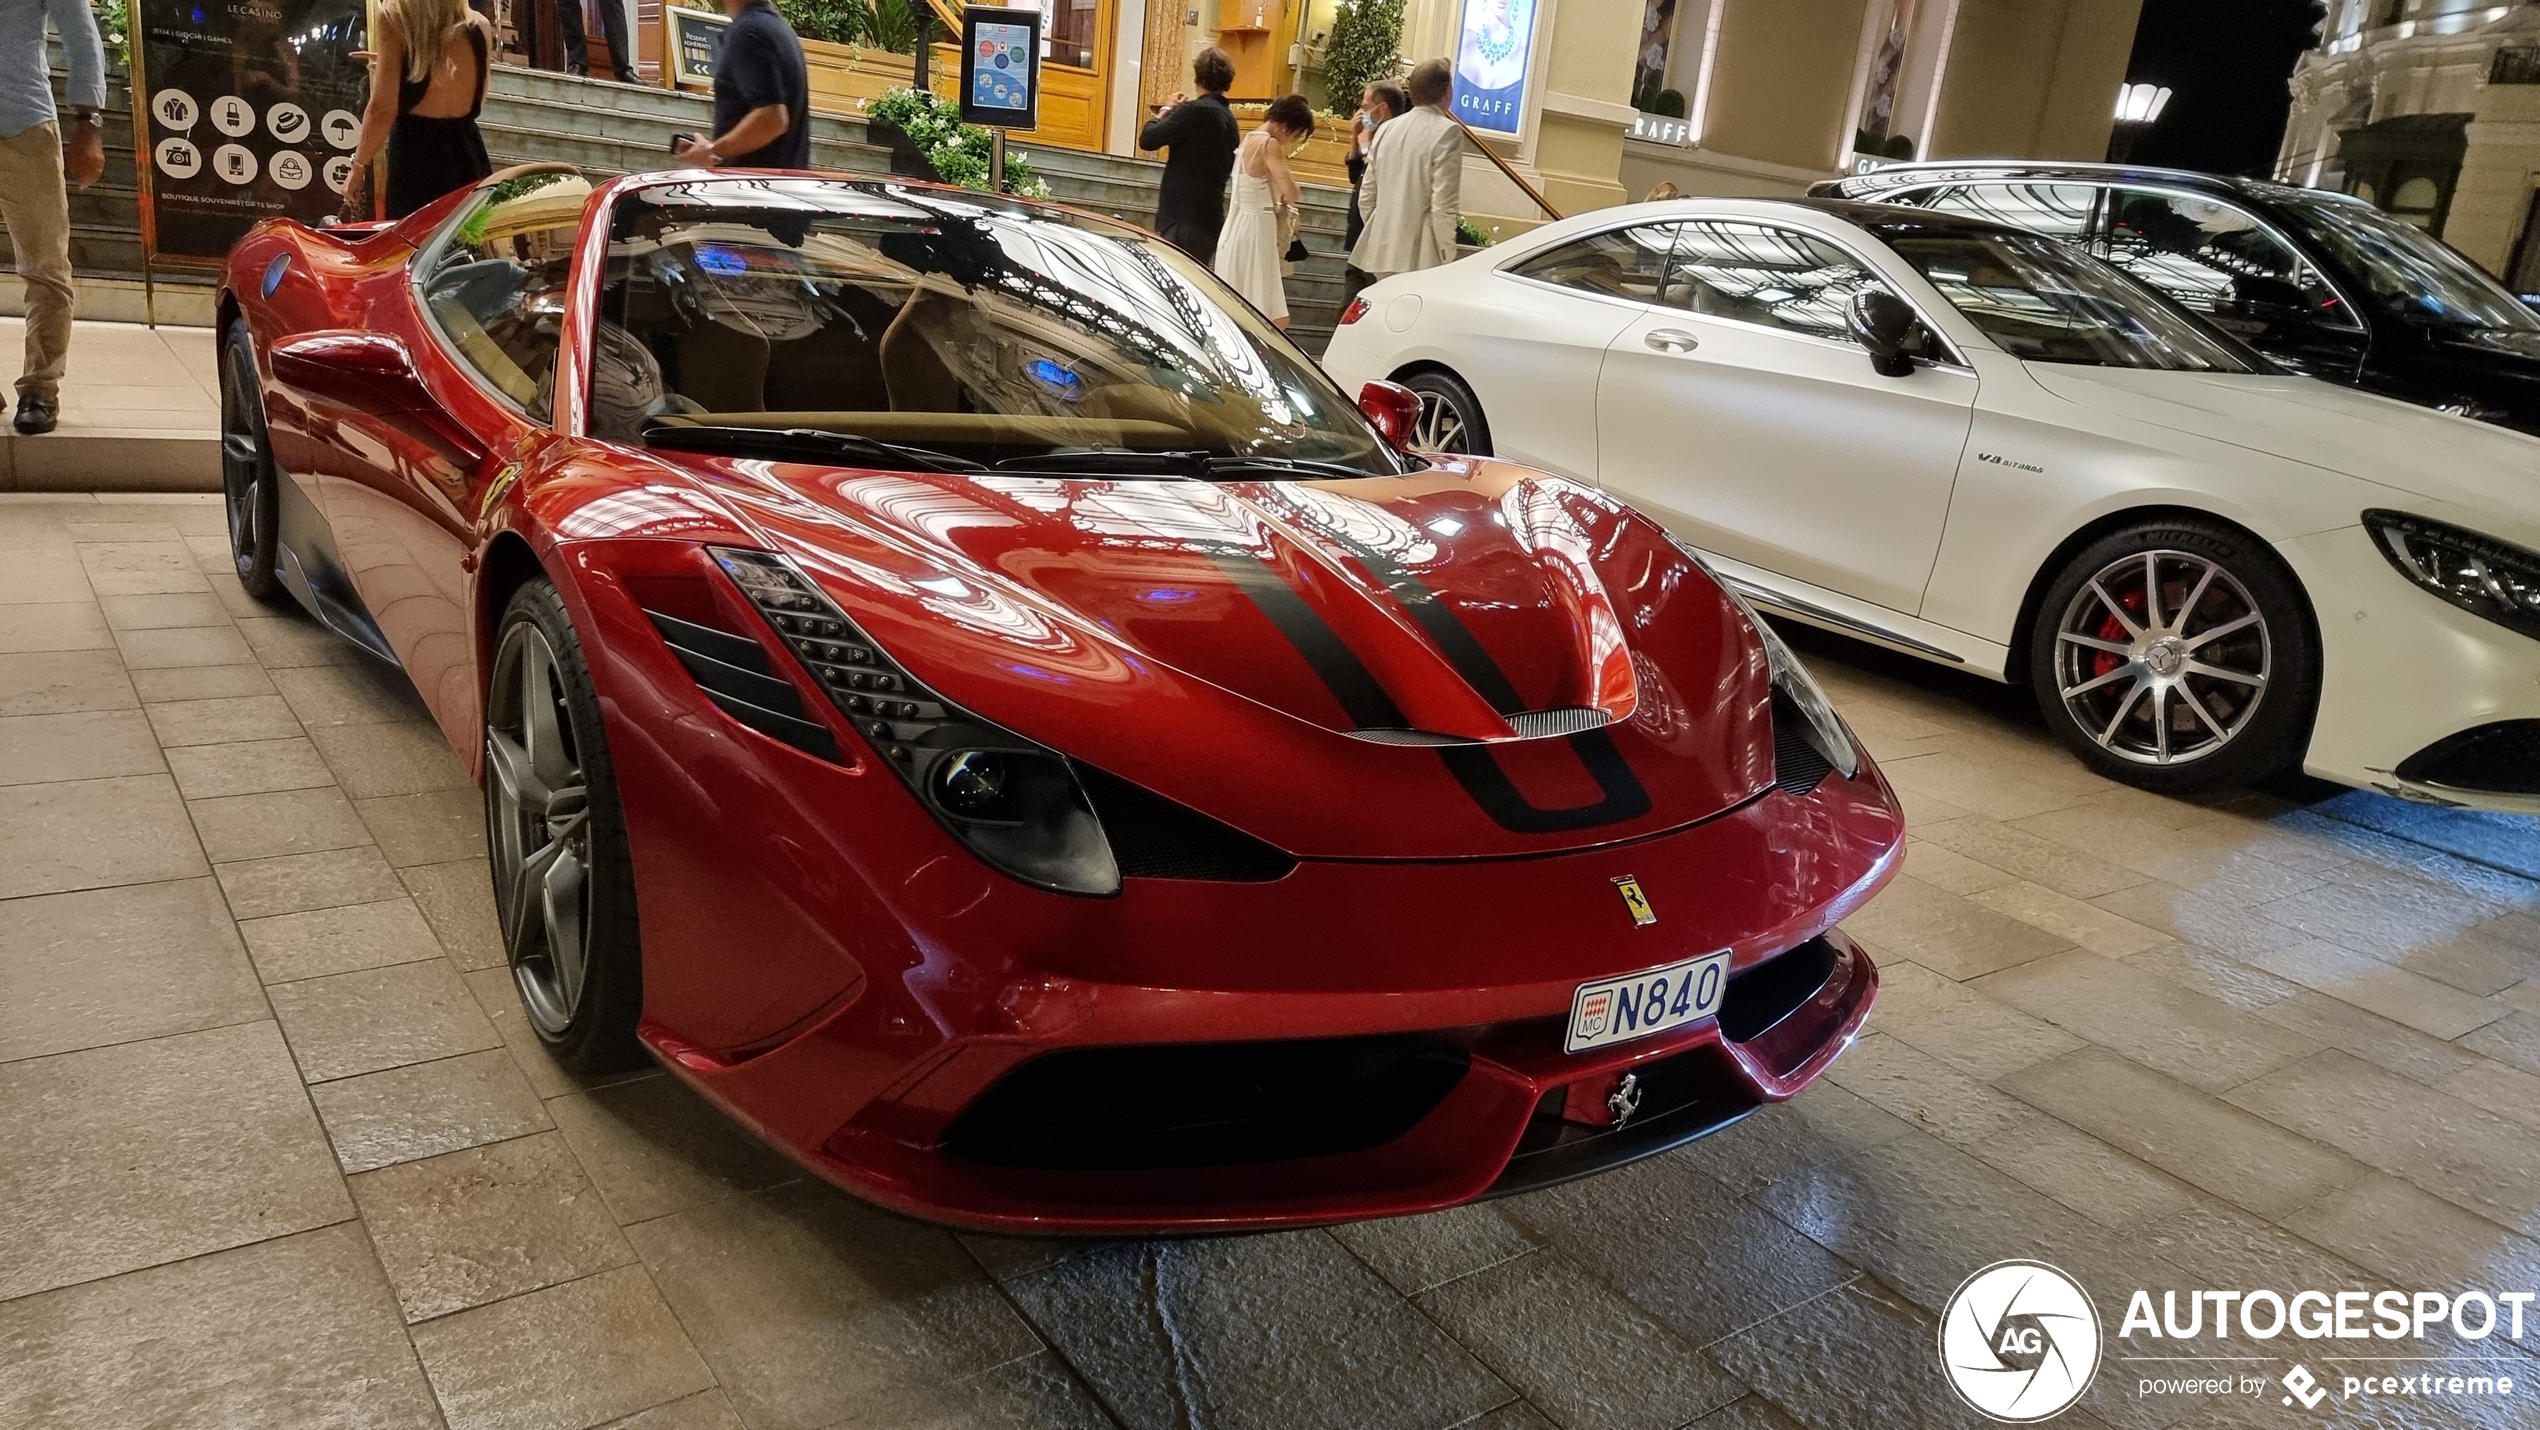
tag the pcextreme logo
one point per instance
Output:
(2019, 1341)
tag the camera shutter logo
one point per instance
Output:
(2019, 1341)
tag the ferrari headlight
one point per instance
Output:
(1820, 726)
(1792, 684)
(1015, 803)
(2479, 574)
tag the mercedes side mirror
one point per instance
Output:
(1884, 325)
(373, 374)
(1394, 408)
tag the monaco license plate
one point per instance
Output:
(1641, 1005)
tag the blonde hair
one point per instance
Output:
(426, 26)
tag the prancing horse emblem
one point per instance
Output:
(1635, 900)
(1624, 1100)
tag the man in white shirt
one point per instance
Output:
(1413, 194)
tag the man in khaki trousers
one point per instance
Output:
(34, 154)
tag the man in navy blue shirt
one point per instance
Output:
(762, 95)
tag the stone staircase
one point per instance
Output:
(607, 128)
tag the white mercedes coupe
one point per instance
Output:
(1987, 449)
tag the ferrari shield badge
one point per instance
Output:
(1635, 900)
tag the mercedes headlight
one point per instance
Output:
(2479, 574)
(1015, 803)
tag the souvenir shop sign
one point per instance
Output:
(244, 110)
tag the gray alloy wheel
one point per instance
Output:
(2163, 657)
(251, 496)
(563, 887)
(1450, 416)
(2177, 655)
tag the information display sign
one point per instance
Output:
(696, 41)
(242, 112)
(1001, 67)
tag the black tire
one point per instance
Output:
(587, 1022)
(251, 485)
(1451, 417)
(2108, 677)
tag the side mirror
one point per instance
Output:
(1394, 408)
(1884, 324)
(372, 373)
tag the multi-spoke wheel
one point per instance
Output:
(562, 887)
(250, 487)
(1450, 416)
(2176, 656)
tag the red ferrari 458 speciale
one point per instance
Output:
(973, 699)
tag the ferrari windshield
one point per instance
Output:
(888, 324)
(2042, 301)
(2409, 275)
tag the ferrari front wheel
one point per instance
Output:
(564, 887)
(250, 490)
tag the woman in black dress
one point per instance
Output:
(427, 124)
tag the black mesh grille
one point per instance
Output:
(1205, 1104)
(733, 671)
(1154, 838)
(2503, 758)
(1797, 766)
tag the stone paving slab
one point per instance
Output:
(140, 412)
(276, 1147)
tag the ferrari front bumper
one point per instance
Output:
(1211, 1137)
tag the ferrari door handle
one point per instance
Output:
(1671, 340)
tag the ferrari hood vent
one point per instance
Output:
(733, 672)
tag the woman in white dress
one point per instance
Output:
(1262, 216)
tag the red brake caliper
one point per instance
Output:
(2113, 629)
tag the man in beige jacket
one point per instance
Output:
(1414, 190)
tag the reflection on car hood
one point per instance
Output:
(2477, 466)
(1232, 645)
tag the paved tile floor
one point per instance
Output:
(140, 408)
(276, 1149)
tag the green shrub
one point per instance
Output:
(958, 151)
(895, 26)
(114, 26)
(838, 22)
(1366, 46)
(1469, 232)
(1668, 104)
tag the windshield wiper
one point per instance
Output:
(1115, 461)
(809, 443)
(1305, 465)
(1173, 462)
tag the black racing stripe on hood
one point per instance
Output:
(1477, 769)
(1361, 697)
(1454, 640)
(1476, 766)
